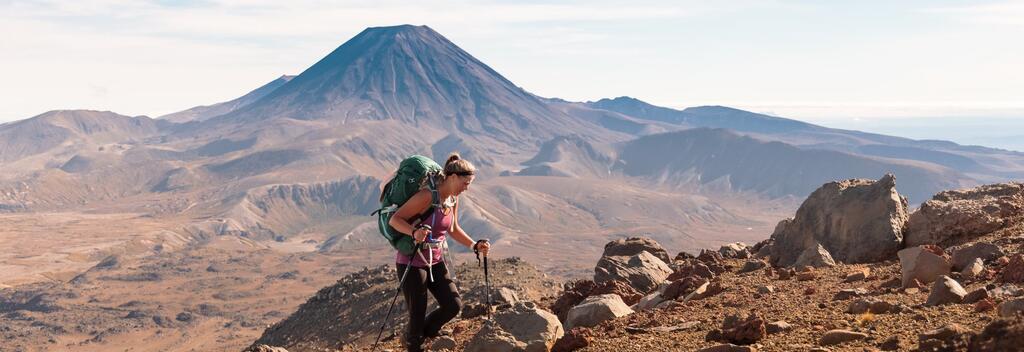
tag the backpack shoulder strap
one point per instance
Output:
(435, 199)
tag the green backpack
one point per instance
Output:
(412, 173)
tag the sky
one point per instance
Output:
(831, 62)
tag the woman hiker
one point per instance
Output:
(428, 271)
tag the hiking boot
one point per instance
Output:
(414, 344)
(443, 332)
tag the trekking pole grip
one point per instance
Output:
(476, 250)
(420, 227)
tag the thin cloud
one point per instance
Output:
(999, 13)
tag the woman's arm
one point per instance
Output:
(461, 236)
(456, 232)
(415, 206)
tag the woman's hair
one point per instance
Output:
(456, 165)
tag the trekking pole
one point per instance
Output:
(401, 282)
(487, 277)
(487, 288)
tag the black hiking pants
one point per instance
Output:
(417, 283)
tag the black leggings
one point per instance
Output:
(415, 289)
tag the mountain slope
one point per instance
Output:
(984, 164)
(569, 156)
(718, 157)
(205, 112)
(53, 129)
(705, 116)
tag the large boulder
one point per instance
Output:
(855, 221)
(628, 247)
(595, 310)
(643, 271)
(524, 327)
(924, 263)
(952, 217)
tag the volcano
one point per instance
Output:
(413, 75)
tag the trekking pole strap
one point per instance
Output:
(476, 250)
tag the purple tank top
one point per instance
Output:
(439, 224)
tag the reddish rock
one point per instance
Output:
(858, 275)
(890, 344)
(709, 256)
(629, 294)
(1002, 261)
(786, 274)
(810, 291)
(683, 256)
(718, 268)
(682, 287)
(739, 330)
(806, 276)
(984, 305)
(838, 336)
(1013, 271)
(952, 337)
(778, 327)
(935, 250)
(849, 293)
(1000, 335)
(893, 283)
(873, 305)
(753, 265)
(713, 289)
(915, 283)
(574, 339)
(728, 348)
(977, 295)
(691, 269)
(575, 292)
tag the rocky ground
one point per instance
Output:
(325, 322)
(959, 291)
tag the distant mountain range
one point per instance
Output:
(282, 159)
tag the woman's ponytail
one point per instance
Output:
(456, 165)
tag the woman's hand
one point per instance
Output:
(482, 246)
(420, 234)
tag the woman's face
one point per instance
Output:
(462, 183)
